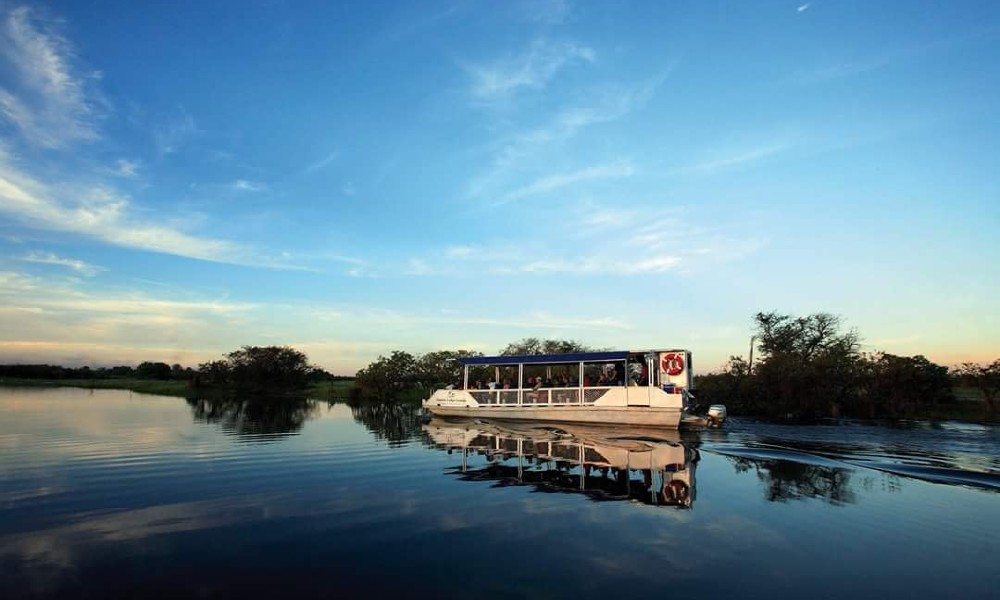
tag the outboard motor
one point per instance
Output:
(716, 415)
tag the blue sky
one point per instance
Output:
(181, 179)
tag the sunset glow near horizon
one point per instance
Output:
(178, 180)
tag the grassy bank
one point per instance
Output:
(324, 390)
(331, 390)
(143, 386)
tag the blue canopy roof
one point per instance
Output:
(548, 359)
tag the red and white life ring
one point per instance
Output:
(672, 363)
(676, 492)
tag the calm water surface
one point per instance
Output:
(110, 494)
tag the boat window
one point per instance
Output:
(603, 374)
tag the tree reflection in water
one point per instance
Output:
(396, 422)
(788, 480)
(255, 418)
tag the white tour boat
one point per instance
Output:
(645, 388)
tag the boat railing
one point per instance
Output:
(539, 397)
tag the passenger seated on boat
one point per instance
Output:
(536, 389)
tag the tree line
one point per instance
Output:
(805, 368)
(250, 367)
(809, 367)
(146, 370)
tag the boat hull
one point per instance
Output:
(641, 416)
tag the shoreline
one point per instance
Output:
(177, 388)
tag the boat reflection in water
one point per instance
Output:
(651, 466)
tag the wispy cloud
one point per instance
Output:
(803, 7)
(322, 163)
(550, 12)
(125, 168)
(100, 212)
(417, 266)
(857, 65)
(318, 262)
(45, 316)
(172, 134)
(531, 69)
(133, 306)
(373, 317)
(48, 258)
(460, 251)
(610, 240)
(521, 151)
(243, 185)
(44, 98)
(551, 183)
(596, 265)
(735, 158)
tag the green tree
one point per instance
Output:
(986, 379)
(122, 371)
(733, 386)
(260, 367)
(803, 339)
(387, 376)
(257, 368)
(533, 345)
(808, 364)
(438, 369)
(179, 372)
(153, 370)
(899, 386)
(216, 372)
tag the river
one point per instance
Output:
(109, 493)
